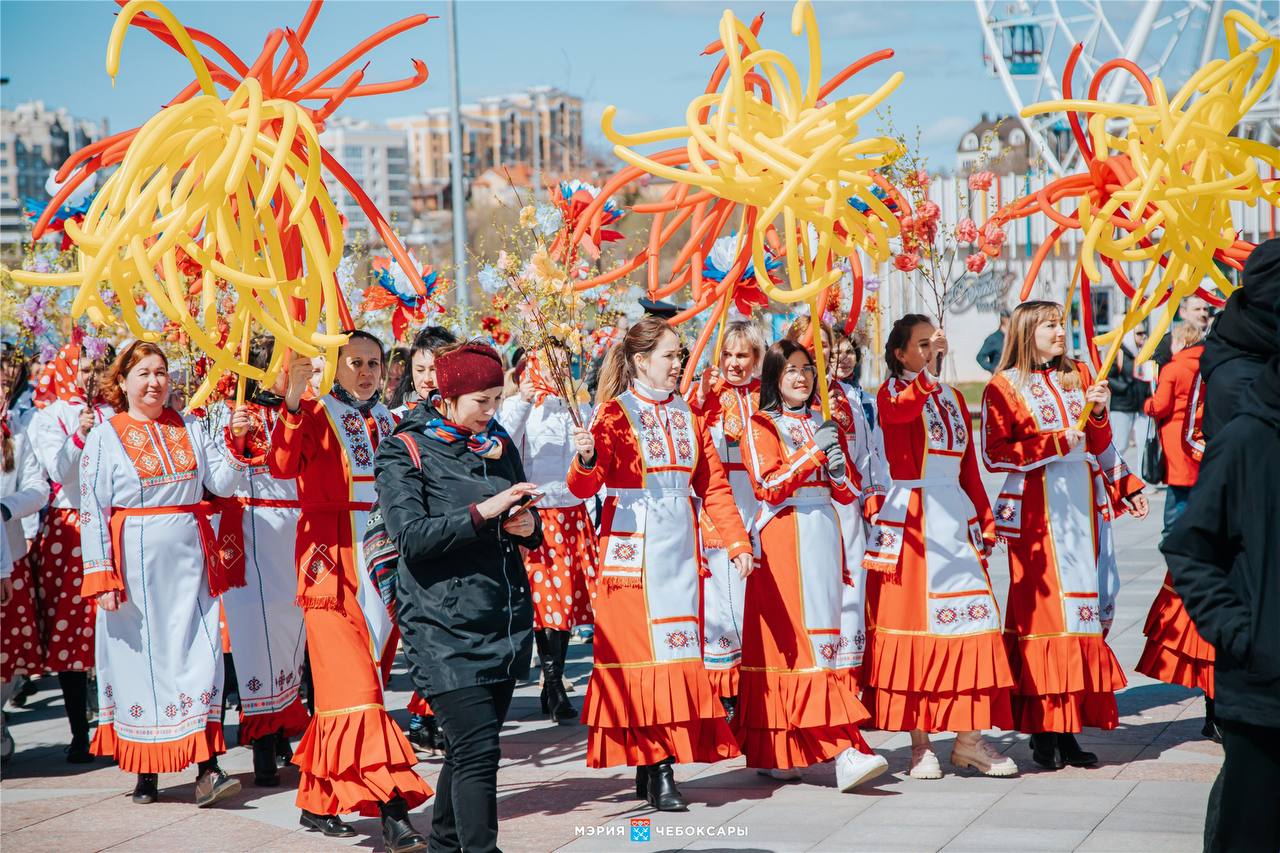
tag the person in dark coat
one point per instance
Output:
(453, 493)
(1243, 338)
(1224, 556)
(993, 346)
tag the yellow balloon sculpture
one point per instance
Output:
(234, 186)
(770, 143)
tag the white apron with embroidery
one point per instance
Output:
(1075, 498)
(724, 591)
(161, 650)
(653, 537)
(960, 600)
(266, 626)
(819, 543)
(349, 425)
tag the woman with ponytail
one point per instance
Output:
(650, 703)
(1063, 486)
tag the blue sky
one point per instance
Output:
(641, 56)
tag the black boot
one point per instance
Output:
(284, 749)
(328, 824)
(435, 737)
(540, 642)
(1210, 729)
(555, 701)
(730, 706)
(398, 835)
(148, 788)
(230, 685)
(562, 651)
(75, 698)
(642, 782)
(1044, 751)
(266, 774)
(663, 794)
(418, 737)
(1071, 752)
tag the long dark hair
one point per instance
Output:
(260, 349)
(430, 339)
(619, 366)
(771, 370)
(899, 337)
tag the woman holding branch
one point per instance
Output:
(649, 702)
(1063, 486)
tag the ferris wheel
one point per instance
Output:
(1026, 44)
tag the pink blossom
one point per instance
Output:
(922, 178)
(992, 235)
(976, 262)
(928, 211)
(906, 262)
(981, 181)
(967, 231)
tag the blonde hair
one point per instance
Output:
(749, 334)
(1187, 335)
(619, 366)
(1020, 344)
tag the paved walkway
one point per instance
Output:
(1148, 794)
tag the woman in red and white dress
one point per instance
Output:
(352, 757)
(263, 621)
(649, 702)
(726, 398)
(559, 569)
(71, 405)
(936, 661)
(1055, 508)
(796, 706)
(155, 566)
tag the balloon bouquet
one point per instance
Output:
(229, 192)
(770, 156)
(1159, 191)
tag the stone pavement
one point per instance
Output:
(1148, 794)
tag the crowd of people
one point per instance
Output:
(772, 562)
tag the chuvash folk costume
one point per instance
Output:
(266, 626)
(69, 405)
(796, 706)
(156, 565)
(559, 568)
(726, 404)
(936, 661)
(1055, 510)
(353, 757)
(649, 702)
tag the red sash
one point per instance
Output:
(223, 551)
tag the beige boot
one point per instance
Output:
(924, 764)
(972, 750)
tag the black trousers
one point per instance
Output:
(465, 813)
(1244, 806)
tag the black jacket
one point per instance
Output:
(992, 349)
(1128, 392)
(1243, 337)
(1224, 554)
(463, 601)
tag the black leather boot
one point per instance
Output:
(327, 824)
(1210, 729)
(1044, 751)
(663, 794)
(284, 749)
(398, 835)
(75, 701)
(555, 701)
(266, 774)
(642, 782)
(562, 651)
(730, 706)
(1071, 752)
(148, 788)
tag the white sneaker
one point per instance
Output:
(788, 775)
(854, 767)
(924, 764)
(981, 756)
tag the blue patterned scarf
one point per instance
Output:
(487, 444)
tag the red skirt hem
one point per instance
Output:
(797, 719)
(724, 682)
(1064, 683)
(352, 762)
(1175, 652)
(292, 719)
(167, 757)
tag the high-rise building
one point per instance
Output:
(379, 161)
(497, 131)
(34, 140)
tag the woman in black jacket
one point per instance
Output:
(452, 490)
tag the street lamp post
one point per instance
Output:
(456, 176)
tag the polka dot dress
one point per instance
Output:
(67, 618)
(562, 570)
(19, 634)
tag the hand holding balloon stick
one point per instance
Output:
(1159, 192)
(233, 187)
